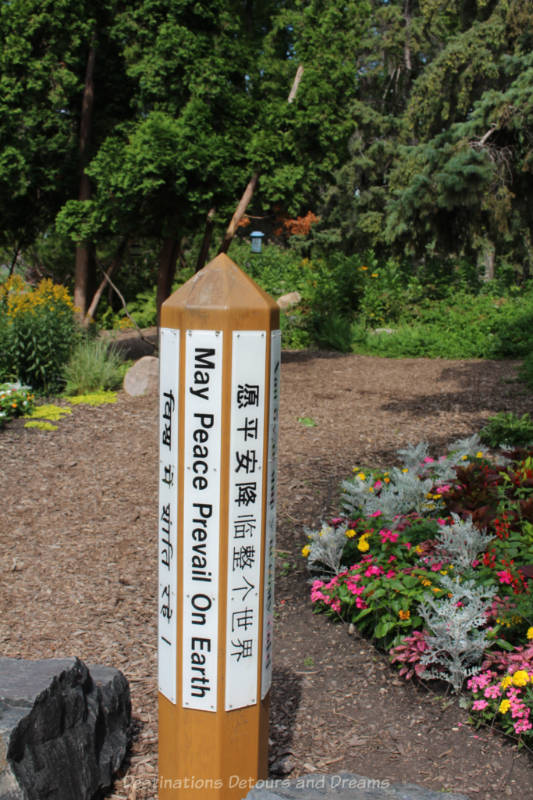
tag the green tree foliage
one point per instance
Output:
(409, 132)
(440, 161)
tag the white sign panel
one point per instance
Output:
(270, 521)
(201, 517)
(168, 510)
(245, 517)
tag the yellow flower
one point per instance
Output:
(361, 476)
(479, 455)
(418, 549)
(520, 677)
(405, 469)
(444, 572)
(463, 458)
(363, 545)
(370, 488)
(350, 533)
(506, 682)
(504, 707)
(363, 269)
(387, 480)
(529, 633)
(374, 275)
(425, 582)
(435, 589)
(404, 614)
(306, 549)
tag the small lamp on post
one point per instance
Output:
(256, 237)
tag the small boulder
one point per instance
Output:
(289, 300)
(143, 377)
(63, 729)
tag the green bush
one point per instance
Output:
(508, 429)
(526, 370)
(461, 325)
(37, 333)
(93, 366)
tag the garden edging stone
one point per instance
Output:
(64, 728)
(344, 786)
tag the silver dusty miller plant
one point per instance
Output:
(454, 641)
(443, 469)
(461, 543)
(325, 548)
(406, 492)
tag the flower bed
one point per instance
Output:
(431, 560)
(15, 400)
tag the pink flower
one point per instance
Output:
(390, 574)
(442, 489)
(491, 692)
(373, 570)
(360, 603)
(357, 590)
(378, 485)
(391, 559)
(437, 566)
(522, 726)
(375, 514)
(336, 605)
(408, 545)
(428, 460)
(441, 521)
(336, 521)
(388, 536)
(479, 705)
(316, 594)
(505, 576)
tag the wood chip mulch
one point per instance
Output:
(78, 532)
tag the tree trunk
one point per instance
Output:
(206, 242)
(167, 269)
(488, 261)
(407, 45)
(84, 267)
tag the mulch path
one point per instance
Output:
(78, 531)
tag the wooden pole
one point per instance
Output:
(219, 395)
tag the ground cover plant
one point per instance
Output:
(42, 417)
(431, 561)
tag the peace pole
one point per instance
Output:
(220, 358)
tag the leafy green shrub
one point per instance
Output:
(38, 332)
(461, 325)
(15, 400)
(333, 332)
(508, 429)
(525, 372)
(94, 365)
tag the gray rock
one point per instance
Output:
(289, 300)
(63, 729)
(143, 377)
(130, 344)
(344, 786)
